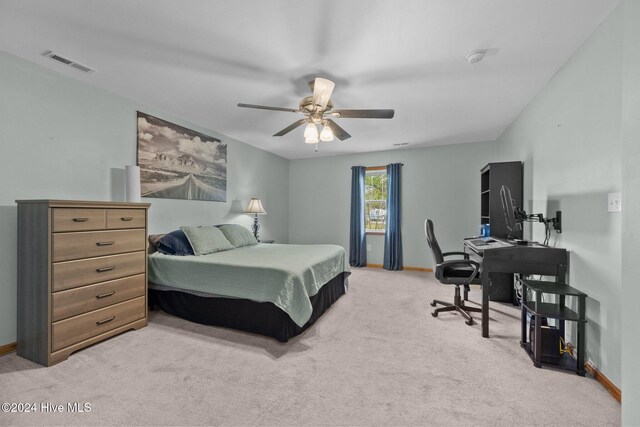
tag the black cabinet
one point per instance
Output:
(533, 313)
(492, 177)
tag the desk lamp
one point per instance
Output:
(255, 207)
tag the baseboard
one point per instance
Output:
(7, 348)
(606, 382)
(428, 270)
(600, 377)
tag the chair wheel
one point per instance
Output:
(469, 322)
(434, 314)
(432, 304)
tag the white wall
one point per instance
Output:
(569, 139)
(631, 208)
(63, 139)
(441, 183)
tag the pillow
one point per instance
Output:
(206, 239)
(174, 243)
(237, 235)
(153, 242)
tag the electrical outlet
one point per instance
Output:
(368, 248)
(615, 202)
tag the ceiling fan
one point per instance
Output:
(318, 110)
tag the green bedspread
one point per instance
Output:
(285, 275)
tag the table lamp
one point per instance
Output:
(255, 207)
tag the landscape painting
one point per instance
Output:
(179, 163)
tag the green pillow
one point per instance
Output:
(206, 239)
(238, 235)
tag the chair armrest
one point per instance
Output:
(458, 262)
(464, 254)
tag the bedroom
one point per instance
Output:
(69, 135)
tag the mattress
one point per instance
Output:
(285, 275)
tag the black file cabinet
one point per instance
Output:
(540, 337)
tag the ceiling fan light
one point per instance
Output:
(326, 134)
(311, 131)
(322, 89)
(311, 140)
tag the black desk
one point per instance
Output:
(530, 259)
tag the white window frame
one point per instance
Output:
(369, 172)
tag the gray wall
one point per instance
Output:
(631, 207)
(63, 139)
(569, 139)
(441, 183)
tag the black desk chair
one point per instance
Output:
(458, 272)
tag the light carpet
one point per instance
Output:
(376, 357)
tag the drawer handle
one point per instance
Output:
(127, 218)
(80, 219)
(103, 269)
(108, 294)
(105, 243)
(102, 322)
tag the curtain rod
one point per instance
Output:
(374, 168)
(377, 168)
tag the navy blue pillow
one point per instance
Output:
(175, 243)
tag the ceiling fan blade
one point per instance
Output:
(340, 133)
(322, 90)
(265, 107)
(363, 114)
(291, 127)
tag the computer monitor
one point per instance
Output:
(514, 224)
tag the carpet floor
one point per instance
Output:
(376, 357)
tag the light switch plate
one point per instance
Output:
(615, 202)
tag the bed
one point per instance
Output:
(274, 290)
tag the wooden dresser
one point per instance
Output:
(82, 274)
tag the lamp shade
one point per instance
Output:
(132, 183)
(255, 206)
(326, 134)
(311, 132)
(322, 89)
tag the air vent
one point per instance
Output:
(401, 144)
(68, 62)
(60, 59)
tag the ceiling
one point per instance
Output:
(198, 59)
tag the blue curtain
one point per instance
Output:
(392, 235)
(357, 237)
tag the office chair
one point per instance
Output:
(458, 272)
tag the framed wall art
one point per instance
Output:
(180, 163)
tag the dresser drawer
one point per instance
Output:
(75, 329)
(76, 301)
(71, 274)
(72, 219)
(68, 246)
(126, 218)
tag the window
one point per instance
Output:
(375, 200)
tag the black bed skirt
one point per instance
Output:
(262, 318)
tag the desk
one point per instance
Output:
(532, 258)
